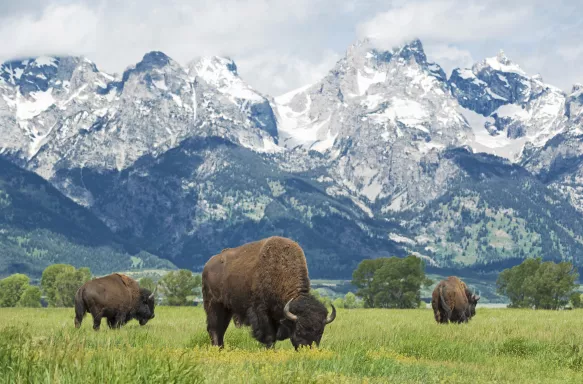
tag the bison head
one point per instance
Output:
(473, 301)
(146, 306)
(305, 319)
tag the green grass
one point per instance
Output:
(361, 346)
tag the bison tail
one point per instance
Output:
(444, 303)
(80, 308)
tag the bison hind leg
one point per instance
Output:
(79, 312)
(97, 320)
(217, 319)
(78, 320)
(439, 314)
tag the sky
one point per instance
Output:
(281, 45)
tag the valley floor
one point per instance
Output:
(361, 346)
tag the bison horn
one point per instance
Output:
(153, 293)
(288, 314)
(332, 315)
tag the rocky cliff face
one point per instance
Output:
(187, 160)
(510, 110)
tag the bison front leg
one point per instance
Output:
(115, 321)
(443, 317)
(263, 329)
(463, 318)
(217, 320)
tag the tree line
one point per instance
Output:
(60, 282)
(388, 282)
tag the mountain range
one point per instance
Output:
(385, 155)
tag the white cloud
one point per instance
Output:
(117, 34)
(285, 72)
(449, 21)
(279, 44)
(449, 56)
(538, 35)
(59, 29)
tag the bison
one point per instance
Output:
(116, 297)
(265, 285)
(453, 301)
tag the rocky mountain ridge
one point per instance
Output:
(185, 160)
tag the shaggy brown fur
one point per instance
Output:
(252, 284)
(453, 301)
(116, 297)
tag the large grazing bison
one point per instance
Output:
(116, 297)
(263, 284)
(453, 301)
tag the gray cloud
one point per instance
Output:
(280, 45)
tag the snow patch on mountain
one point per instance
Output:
(371, 77)
(519, 110)
(45, 60)
(401, 239)
(34, 104)
(408, 112)
(484, 142)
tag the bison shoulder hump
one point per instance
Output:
(125, 279)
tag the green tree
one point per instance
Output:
(48, 281)
(516, 283)
(350, 300)
(148, 283)
(30, 298)
(67, 285)
(60, 282)
(12, 288)
(397, 284)
(542, 285)
(179, 286)
(363, 277)
(390, 282)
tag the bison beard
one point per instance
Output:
(453, 301)
(116, 297)
(265, 285)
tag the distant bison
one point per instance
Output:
(116, 297)
(263, 284)
(453, 301)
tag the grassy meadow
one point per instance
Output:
(361, 346)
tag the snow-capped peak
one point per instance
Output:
(500, 63)
(221, 73)
(389, 85)
(154, 59)
(368, 48)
